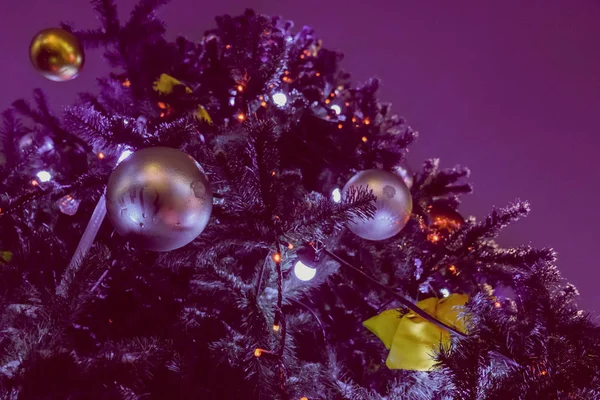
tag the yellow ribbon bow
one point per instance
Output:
(6, 256)
(165, 85)
(411, 339)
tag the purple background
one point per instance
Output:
(510, 89)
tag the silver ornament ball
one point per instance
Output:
(159, 199)
(393, 204)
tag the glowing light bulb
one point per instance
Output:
(336, 108)
(280, 99)
(124, 155)
(304, 272)
(445, 292)
(336, 195)
(44, 176)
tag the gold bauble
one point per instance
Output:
(56, 54)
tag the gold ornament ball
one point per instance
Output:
(159, 199)
(56, 54)
(393, 204)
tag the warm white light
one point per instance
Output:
(44, 176)
(336, 195)
(445, 292)
(336, 108)
(124, 155)
(280, 99)
(304, 272)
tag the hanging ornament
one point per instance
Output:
(393, 204)
(56, 54)
(411, 339)
(159, 199)
(404, 172)
(68, 205)
(443, 222)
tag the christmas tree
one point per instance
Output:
(303, 284)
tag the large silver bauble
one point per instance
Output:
(159, 199)
(393, 204)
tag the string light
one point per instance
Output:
(241, 117)
(452, 269)
(277, 257)
(276, 328)
(44, 176)
(240, 88)
(304, 398)
(124, 155)
(445, 292)
(162, 105)
(318, 74)
(34, 183)
(228, 46)
(340, 126)
(497, 304)
(347, 103)
(336, 195)
(364, 139)
(126, 83)
(101, 156)
(327, 101)
(304, 272)
(433, 237)
(259, 352)
(290, 246)
(353, 119)
(367, 121)
(280, 99)
(263, 103)
(273, 173)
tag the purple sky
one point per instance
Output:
(510, 89)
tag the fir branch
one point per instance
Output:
(491, 226)
(107, 13)
(144, 13)
(517, 255)
(10, 131)
(319, 217)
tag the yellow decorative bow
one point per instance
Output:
(5, 256)
(411, 339)
(165, 85)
